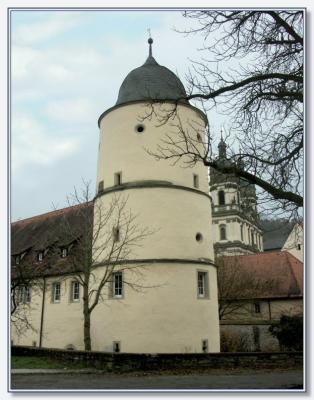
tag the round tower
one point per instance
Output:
(168, 296)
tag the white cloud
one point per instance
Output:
(31, 144)
(71, 111)
(47, 28)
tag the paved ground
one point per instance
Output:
(291, 379)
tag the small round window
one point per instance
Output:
(140, 128)
(199, 237)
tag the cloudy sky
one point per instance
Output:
(67, 68)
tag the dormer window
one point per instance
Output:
(64, 252)
(40, 256)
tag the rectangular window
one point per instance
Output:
(24, 294)
(17, 260)
(202, 285)
(117, 285)
(299, 247)
(257, 308)
(56, 292)
(40, 256)
(75, 291)
(117, 178)
(195, 181)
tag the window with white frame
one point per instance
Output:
(75, 291)
(117, 285)
(64, 252)
(56, 292)
(24, 294)
(202, 284)
(40, 256)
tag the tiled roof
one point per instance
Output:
(46, 229)
(50, 232)
(280, 274)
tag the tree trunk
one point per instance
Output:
(87, 338)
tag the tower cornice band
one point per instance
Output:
(149, 185)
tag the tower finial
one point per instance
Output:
(150, 42)
(222, 146)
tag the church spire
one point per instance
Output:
(222, 147)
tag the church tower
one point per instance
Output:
(234, 213)
(175, 308)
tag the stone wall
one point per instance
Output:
(251, 337)
(149, 362)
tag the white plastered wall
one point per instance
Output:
(123, 149)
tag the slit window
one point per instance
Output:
(116, 234)
(117, 178)
(40, 256)
(241, 230)
(205, 346)
(195, 181)
(17, 260)
(100, 186)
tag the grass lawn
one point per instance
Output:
(42, 362)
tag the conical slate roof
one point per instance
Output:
(151, 81)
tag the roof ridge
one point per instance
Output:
(50, 213)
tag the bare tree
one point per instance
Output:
(251, 71)
(238, 287)
(99, 241)
(23, 284)
(108, 237)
